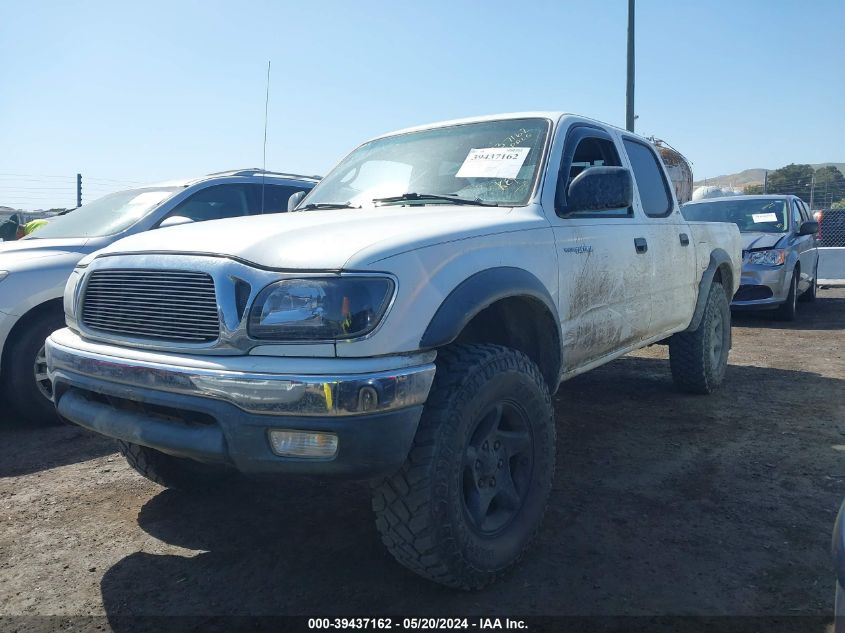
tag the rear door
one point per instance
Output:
(604, 284)
(673, 282)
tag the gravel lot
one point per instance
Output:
(664, 504)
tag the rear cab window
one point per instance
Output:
(652, 186)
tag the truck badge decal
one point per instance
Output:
(579, 250)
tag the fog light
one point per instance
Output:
(303, 444)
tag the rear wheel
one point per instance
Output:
(173, 472)
(26, 385)
(699, 359)
(786, 310)
(472, 493)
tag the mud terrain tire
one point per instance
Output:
(699, 359)
(472, 493)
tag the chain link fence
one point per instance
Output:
(831, 227)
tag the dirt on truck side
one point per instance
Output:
(663, 504)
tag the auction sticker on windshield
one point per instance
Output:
(764, 217)
(493, 162)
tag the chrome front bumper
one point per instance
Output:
(278, 394)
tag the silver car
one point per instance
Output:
(34, 270)
(779, 254)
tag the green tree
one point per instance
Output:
(793, 179)
(830, 186)
(752, 190)
(839, 204)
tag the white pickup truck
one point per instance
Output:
(407, 325)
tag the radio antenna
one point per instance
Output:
(264, 157)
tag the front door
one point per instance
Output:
(604, 279)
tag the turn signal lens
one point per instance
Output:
(306, 444)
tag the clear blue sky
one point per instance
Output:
(146, 91)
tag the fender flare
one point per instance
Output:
(717, 258)
(480, 291)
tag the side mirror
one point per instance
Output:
(600, 189)
(810, 227)
(295, 199)
(174, 220)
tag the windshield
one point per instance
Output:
(492, 162)
(106, 216)
(751, 216)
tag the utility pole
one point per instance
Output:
(766, 181)
(78, 190)
(629, 92)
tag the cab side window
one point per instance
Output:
(591, 150)
(275, 198)
(797, 217)
(651, 181)
(805, 211)
(214, 203)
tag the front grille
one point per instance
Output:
(752, 293)
(164, 305)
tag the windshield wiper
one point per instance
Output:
(406, 197)
(328, 205)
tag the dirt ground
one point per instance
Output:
(664, 504)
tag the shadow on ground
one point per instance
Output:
(663, 503)
(825, 313)
(25, 448)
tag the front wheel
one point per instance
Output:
(699, 359)
(26, 384)
(809, 295)
(473, 491)
(786, 310)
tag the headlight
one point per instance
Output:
(71, 296)
(3, 274)
(320, 309)
(773, 257)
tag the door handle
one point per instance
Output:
(684, 239)
(640, 244)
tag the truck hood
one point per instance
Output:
(757, 241)
(328, 240)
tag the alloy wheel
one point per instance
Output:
(498, 467)
(42, 380)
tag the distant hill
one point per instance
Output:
(751, 177)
